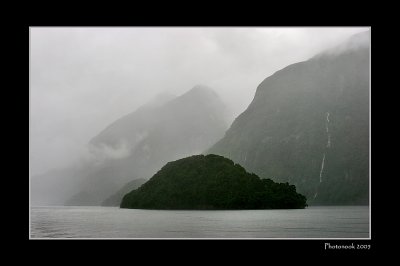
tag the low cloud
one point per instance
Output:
(102, 151)
(83, 79)
(358, 41)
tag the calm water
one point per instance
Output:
(112, 222)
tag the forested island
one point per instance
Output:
(211, 182)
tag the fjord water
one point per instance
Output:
(113, 222)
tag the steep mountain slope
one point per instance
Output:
(139, 144)
(308, 125)
(211, 182)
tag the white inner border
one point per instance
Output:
(94, 238)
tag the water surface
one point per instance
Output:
(113, 222)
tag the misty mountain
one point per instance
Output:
(54, 187)
(140, 143)
(308, 125)
(115, 199)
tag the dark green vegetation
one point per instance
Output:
(309, 125)
(211, 182)
(115, 199)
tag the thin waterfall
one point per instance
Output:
(328, 145)
(322, 168)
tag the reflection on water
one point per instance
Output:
(112, 222)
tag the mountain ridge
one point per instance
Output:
(308, 124)
(138, 144)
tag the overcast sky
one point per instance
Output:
(83, 79)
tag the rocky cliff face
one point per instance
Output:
(308, 125)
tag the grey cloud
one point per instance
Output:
(82, 79)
